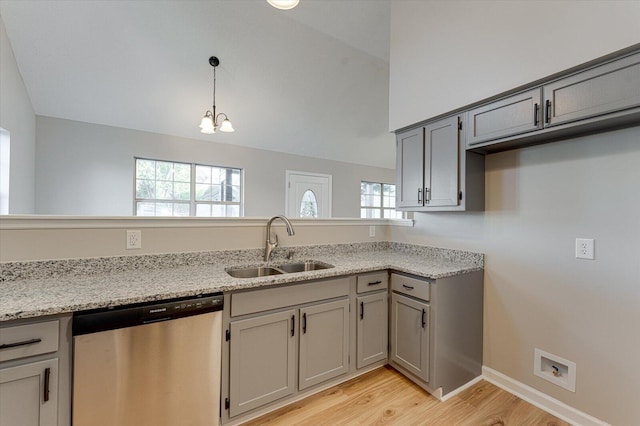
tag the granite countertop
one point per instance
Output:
(38, 293)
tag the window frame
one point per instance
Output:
(381, 207)
(192, 202)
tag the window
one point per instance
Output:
(378, 200)
(165, 188)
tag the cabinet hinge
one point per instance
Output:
(227, 336)
(460, 196)
(227, 403)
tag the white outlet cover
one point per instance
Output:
(134, 239)
(585, 248)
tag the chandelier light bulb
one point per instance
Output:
(226, 126)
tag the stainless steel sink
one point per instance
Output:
(261, 271)
(310, 265)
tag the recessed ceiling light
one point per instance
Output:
(283, 4)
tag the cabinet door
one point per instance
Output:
(601, 90)
(262, 360)
(324, 342)
(410, 168)
(511, 116)
(410, 335)
(29, 394)
(373, 314)
(441, 183)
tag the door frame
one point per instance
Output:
(287, 187)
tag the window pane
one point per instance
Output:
(235, 179)
(218, 210)
(164, 170)
(164, 190)
(182, 191)
(164, 209)
(235, 194)
(217, 175)
(145, 209)
(392, 214)
(233, 211)
(145, 169)
(145, 188)
(203, 209)
(203, 174)
(309, 204)
(182, 172)
(370, 213)
(181, 209)
(203, 192)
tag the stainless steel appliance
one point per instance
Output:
(149, 364)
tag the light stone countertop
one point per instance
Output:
(66, 293)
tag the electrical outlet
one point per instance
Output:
(584, 248)
(372, 231)
(134, 239)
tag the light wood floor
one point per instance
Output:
(384, 396)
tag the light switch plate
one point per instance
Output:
(585, 248)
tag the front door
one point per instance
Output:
(308, 194)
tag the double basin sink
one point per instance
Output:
(285, 268)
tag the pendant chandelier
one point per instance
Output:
(211, 121)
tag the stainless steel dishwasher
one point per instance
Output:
(148, 364)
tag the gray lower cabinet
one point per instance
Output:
(35, 372)
(262, 360)
(29, 394)
(372, 335)
(410, 334)
(324, 342)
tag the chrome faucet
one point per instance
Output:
(269, 246)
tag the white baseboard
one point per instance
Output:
(540, 400)
(460, 389)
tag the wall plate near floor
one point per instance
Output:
(555, 369)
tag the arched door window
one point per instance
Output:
(309, 204)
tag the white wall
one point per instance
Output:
(87, 169)
(447, 54)
(18, 118)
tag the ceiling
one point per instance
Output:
(310, 81)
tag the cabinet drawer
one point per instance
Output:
(24, 340)
(410, 286)
(372, 282)
(281, 297)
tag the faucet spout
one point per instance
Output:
(270, 245)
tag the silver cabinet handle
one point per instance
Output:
(427, 195)
(419, 195)
(23, 343)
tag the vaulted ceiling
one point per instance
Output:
(310, 81)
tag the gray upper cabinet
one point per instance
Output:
(410, 168)
(430, 170)
(601, 95)
(373, 313)
(605, 89)
(324, 342)
(262, 360)
(441, 183)
(514, 115)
